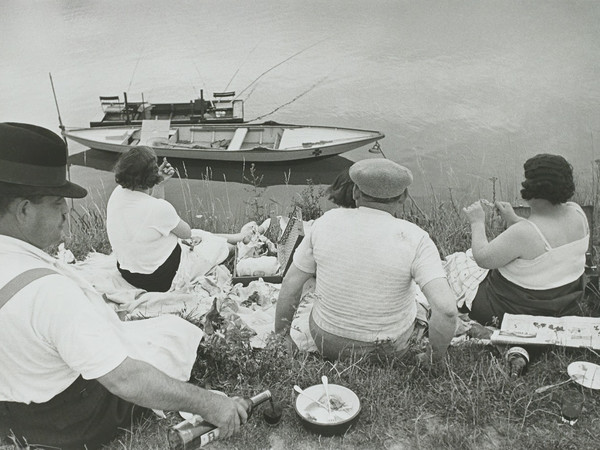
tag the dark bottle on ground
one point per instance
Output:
(188, 436)
(518, 358)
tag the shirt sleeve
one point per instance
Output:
(427, 265)
(303, 256)
(163, 217)
(83, 338)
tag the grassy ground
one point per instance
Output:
(470, 403)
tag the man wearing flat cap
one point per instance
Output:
(366, 263)
(71, 373)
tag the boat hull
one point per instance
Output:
(103, 139)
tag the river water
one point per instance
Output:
(464, 90)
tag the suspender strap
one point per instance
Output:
(20, 281)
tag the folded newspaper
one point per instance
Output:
(568, 331)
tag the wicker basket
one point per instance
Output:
(287, 242)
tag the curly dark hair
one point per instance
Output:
(137, 169)
(340, 191)
(548, 177)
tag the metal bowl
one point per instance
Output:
(345, 409)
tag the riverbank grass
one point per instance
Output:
(470, 402)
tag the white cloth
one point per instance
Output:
(58, 327)
(464, 276)
(556, 267)
(196, 262)
(139, 229)
(262, 266)
(366, 264)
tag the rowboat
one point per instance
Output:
(222, 108)
(267, 142)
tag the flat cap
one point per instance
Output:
(380, 177)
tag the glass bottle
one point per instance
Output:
(518, 358)
(189, 436)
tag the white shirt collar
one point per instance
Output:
(367, 210)
(10, 244)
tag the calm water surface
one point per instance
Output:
(464, 90)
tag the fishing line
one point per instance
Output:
(200, 75)
(134, 69)
(280, 63)
(240, 66)
(291, 101)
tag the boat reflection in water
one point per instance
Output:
(320, 171)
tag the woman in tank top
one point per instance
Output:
(537, 264)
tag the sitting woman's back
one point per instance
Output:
(557, 250)
(537, 264)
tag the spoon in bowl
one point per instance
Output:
(299, 390)
(326, 387)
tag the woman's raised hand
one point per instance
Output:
(475, 212)
(507, 212)
(165, 170)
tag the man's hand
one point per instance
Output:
(290, 345)
(226, 413)
(429, 360)
(423, 360)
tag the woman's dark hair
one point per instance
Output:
(137, 169)
(340, 191)
(548, 177)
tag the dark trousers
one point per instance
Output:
(158, 281)
(84, 414)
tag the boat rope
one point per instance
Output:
(290, 102)
(377, 149)
(278, 64)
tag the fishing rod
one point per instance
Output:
(134, 69)
(280, 63)
(60, 123)
(240, 66)
(200, 75)
(62, 129)
(291, 101)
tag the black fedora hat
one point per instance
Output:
(34, 160)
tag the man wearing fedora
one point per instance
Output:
(71, 373)
(366, 263)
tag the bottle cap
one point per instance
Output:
(517, 351)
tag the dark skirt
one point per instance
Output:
(158, 281)
(497, 296)
(84, 414)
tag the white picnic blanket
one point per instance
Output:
(251, 307)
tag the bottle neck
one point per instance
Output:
(260, 398)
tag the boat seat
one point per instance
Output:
(111, 104)
(238, 139)
(154, 130)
